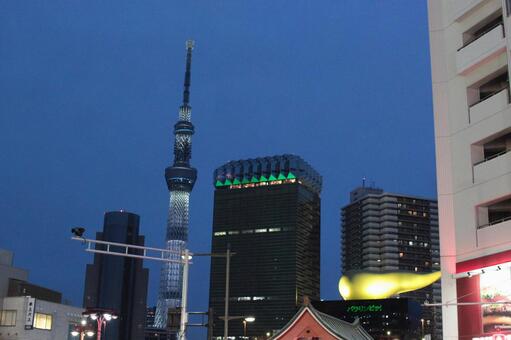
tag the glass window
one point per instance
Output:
(7, 318)
(42, 321)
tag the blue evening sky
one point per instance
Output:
(89, 92)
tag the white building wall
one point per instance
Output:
(62, 317)
(462, 187)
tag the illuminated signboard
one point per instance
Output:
(494, 337)
(30, 310)
(495, 289)
(365, 308)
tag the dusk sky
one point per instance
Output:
(90, 90)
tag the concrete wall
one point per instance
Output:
(7, 271)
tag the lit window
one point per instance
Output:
(416, 269)
(258, 298)
(220, 233)
(244, 298)
(401, 254)
(261, 230)
(7, 318)
(410, 243)
(247, 231)
(234, 232)
(273, 230)
(42, 321)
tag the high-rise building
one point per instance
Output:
(266, 211)
(180, 178)
(119, 283)
(390, 232)
(469, 43)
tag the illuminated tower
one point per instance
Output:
(180, 179)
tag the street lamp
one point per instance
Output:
(245, 320)
(82, 331)
(101, 316)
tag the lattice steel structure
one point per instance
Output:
(180, 179)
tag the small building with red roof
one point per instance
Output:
(311, 324)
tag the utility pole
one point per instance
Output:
(164, 255)
(227, 256)
(227, 272)
(148, 253)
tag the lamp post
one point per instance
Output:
(101, 316)
(245, 320)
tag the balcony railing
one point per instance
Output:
(475, 38)
(504, 219)
(491, 94)
(492, 157)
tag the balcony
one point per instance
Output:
(488, 44)
(489, 105)
(496, 234)
(492, 159)
(495, 213)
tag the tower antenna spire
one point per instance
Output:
(190, 44)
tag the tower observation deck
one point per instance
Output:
(180, 178)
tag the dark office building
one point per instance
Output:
(119, 283)
(267, 210)
(391, 232)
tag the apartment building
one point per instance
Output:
(387, 232)
(469, 42)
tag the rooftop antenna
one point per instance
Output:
(363, 182)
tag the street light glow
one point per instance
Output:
(75, 333)
(107, 316)
(90, 334)
(249, 319)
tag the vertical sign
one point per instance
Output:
(30, 312)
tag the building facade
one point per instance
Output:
(266, 211)
(27, 318)
(385, 232)
(469, 43)
(180, 178)
(119, 283)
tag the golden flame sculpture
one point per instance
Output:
(373, 285)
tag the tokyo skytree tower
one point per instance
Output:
(180, 179)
